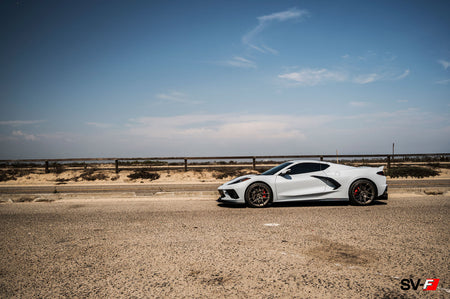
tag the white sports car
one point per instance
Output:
(307, 180)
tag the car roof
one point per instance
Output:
(308, 161)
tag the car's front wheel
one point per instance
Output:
(362, 192)
(258, 195)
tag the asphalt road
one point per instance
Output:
(199, 248)
(141, 188)
(149, 188)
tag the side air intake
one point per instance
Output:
(329, 181)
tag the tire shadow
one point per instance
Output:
(231, 205)
(312, 203)
(305, 203)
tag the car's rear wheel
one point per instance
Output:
(258, 195)
(362, 192)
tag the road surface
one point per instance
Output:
(196, 249)
(157, 187)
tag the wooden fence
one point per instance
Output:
(386, 158)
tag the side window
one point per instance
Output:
(306, 167)
(324, 166)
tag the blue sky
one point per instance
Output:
(208, 78)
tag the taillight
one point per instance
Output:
(380, 173)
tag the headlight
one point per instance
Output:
(239, 181)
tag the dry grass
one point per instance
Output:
(144, 174)
(13, 174)
(411, 171)
(227, 172)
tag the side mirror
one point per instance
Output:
(285, 172)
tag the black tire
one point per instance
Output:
(258, 195)
(362, 192)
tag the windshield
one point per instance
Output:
(274, 170)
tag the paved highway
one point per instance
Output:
(152, 187)
(201, 249)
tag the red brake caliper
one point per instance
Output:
(356, 191)
(264, 194)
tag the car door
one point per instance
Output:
(299, 182)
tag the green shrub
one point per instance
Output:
(225, 172)
(263, 169)
(57, 168)
(90, 175)
(60, 181)
(26, 199)
(13, 174)
(143, 173)
(412, 171)
(7, 175)
(438, 165)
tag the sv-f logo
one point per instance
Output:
(429, 285)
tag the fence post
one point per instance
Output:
(254, 163)
(117, 166)
(321, 158)
(388, 162)
(185, 164)
(46, 167)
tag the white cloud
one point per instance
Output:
(16, 123)
(225, 127)
(172, 96)
(234, 133)
(249, 39)
(443, 82)
(367, 78)
(358, 104)
(414, 130)
(367, 56)
(445, 64)
(23, 135)
(267, 49)
(367, 68)
(177, 97)
(389, 57)
(241, 62)
(64, 137)
(404, 75)
(373, 77)
(99, 125)
(308, 76)
(292, 13)
(313, 76)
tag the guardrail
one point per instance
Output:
(387, 158)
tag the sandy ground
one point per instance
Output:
(196, 249)
(172, 176)
(166, 177)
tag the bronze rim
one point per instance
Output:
(259, 196)
(363, 192)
